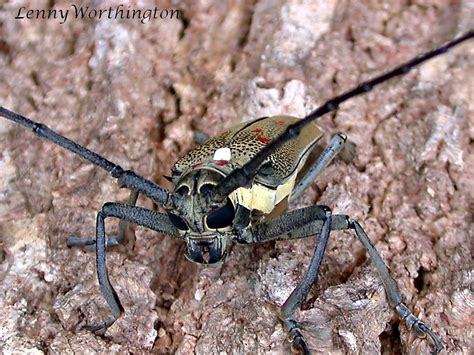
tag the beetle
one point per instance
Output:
(236, 187)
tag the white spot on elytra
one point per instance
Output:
(222, 154)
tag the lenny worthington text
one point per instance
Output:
(87, 12)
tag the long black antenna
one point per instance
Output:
(44, 131)
(242, 176)
(126, 178)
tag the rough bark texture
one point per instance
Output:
(137, 93)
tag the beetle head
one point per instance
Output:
(205, 228)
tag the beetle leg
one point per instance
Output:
(392, 290)
(301, 291)
(328, 154)
(106, 288)
(311, 221)
(124, 237)
(137, 215)
(296, 224)
(121, 239)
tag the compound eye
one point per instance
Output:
(183, 190)
(178, 222)
(205, 188)
(222, 217)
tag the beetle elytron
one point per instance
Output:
(235, 187)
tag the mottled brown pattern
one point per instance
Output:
(246, 140)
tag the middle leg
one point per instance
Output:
(123, 237)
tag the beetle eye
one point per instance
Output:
(205, 188)
(222, 217)
(178, 222)
(183, 190)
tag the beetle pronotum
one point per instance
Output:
(227, 189)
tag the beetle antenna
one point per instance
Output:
(45, 132)
(242, 176)
(126, 178)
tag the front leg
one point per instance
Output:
(131, 214)
(393, 293)
(301, 291)
(314, 221)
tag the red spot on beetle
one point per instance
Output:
(221, 162)
(280, 122)
(258, 130)
(264, 139)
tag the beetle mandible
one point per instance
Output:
(235, 187)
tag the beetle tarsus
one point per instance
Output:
(425, 329)
(89, 243)
(74, 241)
(100, 328)
(299, 346)
(296, 338)
(420, 328)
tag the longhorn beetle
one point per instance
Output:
(233, 188)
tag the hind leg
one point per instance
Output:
(336, 146)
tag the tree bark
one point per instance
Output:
(138, 93)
